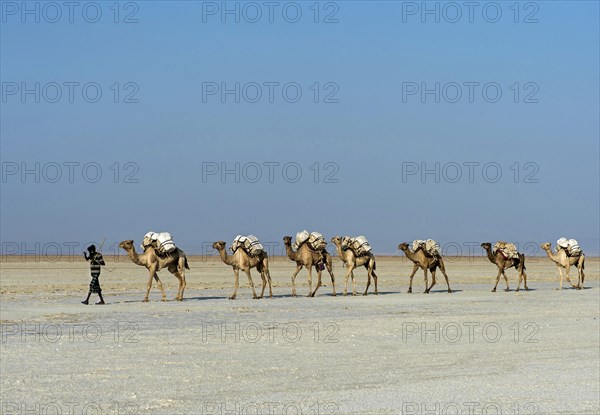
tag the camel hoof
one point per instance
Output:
(507, 290)
(353, 294)
(409, 292)
(517, 290)
(145, 300)
(526, 289)
(232, 297)
(494, 290)
(163, 300)
(450, 291)
(364, 294)
(334, 295)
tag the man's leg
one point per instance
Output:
(87, 300)
(101, 299)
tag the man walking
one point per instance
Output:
(96, 261)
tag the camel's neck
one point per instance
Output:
(490, 256)
(411, 255)
(135, 258)
(290, 252)
(338, 248)
(554, 257)
(224, 257)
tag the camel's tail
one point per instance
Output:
(186, 263)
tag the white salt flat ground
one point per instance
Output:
(472, 351)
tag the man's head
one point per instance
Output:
(91, 249)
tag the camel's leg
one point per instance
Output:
(426, 281)
(247, 271)
(568, 268)
(560, 284)
(183, 284)
(264, 283)
(506, 280)
(179, 296)
(319, 272)
(579, 282)
(160, 285)
(368, 279)
(330, 270)
(375, 280)
(443, 269)
(353, 282)
(522, 274)
(525, 281)
(497, 279)
(269, 281)
(177, 274)
(265, 270)
(149, 285)
(298, 268)
(433, 281)
(414, 271)
(309, 268)
(580, 267)
(348, 272)
(236, 275)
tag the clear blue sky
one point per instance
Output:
(374, 52)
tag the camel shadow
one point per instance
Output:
(303, 295)
(171, 300)
(211, 297)
(577, 289)
(445, 291)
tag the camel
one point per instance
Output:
(306, 257)
(562, 260)
(351, 262)
(504, 263)
(175, 262)
(421, 260)
(240, 260)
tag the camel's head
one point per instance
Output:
(403, 246)
(219, 245)
(545, 246)
(287, 240)
(486, 246)
(126, 245)
(336, 240)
